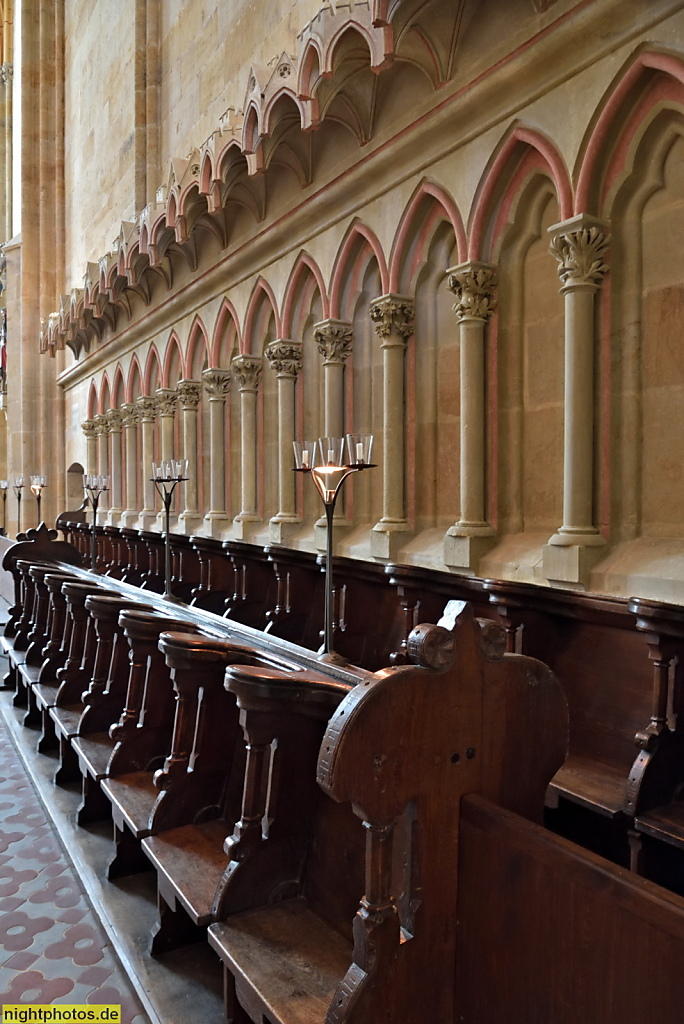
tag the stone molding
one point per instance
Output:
(130, 414)
(165, 400)
(114, 421)
(147, 408)
(334, 340)
(285, 357)
(393, 315)
(189, 394)
(216, 383)
(579, 245)
(89, 428)
(247, 372)
(473, 285)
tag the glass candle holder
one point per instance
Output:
(331, 451)
(305, 453)
(359, 449)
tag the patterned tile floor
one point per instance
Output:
(52, 948)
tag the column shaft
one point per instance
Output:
(286, 359)
(247, 372)
(216, 384)
(147, 408)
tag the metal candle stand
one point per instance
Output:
(37, 485)
(3, 488)
(166, 476)
(324, 460)
(17, 488)
(94, 487)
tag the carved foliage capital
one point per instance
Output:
(6, 73)
(216, 384)
(393, 314)
(114, 421)
(247, 372)
(101, 424)
(89, 428)
(189, 394)
(166, 399)
(579, 245)
(147, 408)
(285, 357)
(473, 285)
(130, 414)
(334, 340)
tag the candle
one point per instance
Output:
(305, 458)
(359, 451)
(331, 456)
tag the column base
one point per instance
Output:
(282, 530)
(386, 538)
(463, 551)
(114, 517)
(189, 523)
(129, 518)
(244, 526)
(216, 524)
(160, 522)
(340, 523)
(568, 537)
(570, 564)
(147, 520)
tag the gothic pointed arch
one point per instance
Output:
(429, 206)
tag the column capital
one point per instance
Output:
(579, 245)
(473, 284)
(6, 73)
(247, 372)
(130, 414)
(147, 408)
(285, 357)
(393, 315)
(89, 428)
(189, 394)
(165, 401)
(101, 424)
(216, 383)
(114, 421)
(334, 340)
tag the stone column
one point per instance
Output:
(147, 408)
(115, 422)
(102, 432)
(246, 370)
(166, 399)
(189, 396)
(579, 245)
(286, 359)
(89, 428)
(393, 319)
(473, 285)
(216, 384)
(334, 341)
(131, 415)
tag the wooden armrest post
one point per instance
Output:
(37, 636)
(55, 651)
(78, 667)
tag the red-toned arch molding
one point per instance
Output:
(649, 81)
(261, 306)
(429, 206)
(358, 247)
(305, 280)
(197, 339)
(173, 348)
(134, 380)
(92, 400)
(227, 337)
(152, 363)
(118, 388)
(522, 153)
(104, 398)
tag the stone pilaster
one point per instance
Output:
(285, 358)
(393, 319)
(473, 285)
(246, 371)
(216, 386)
(189, 398)
(89, 428)
(147, 409)
(579, 245)
(130, 415)
(166, 399)
(115, 424)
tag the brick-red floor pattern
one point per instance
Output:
(52, 947)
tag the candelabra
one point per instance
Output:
(166, 476)
(324, 460)
(94, 486)
(3, 488)
(18, 486)
(37, 485)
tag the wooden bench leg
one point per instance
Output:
(68, 770)
(94, 804)
(48, 739)
(32, 719)
(129, 858)
(175, 929)
(234, 1011)
(9, 681)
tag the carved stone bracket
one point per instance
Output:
(334, 340)
(473, 285)
(189, 394)
(166, 399)
(216, 383)
(147, 407)
(247, 372)
(89, 428)
(285, 357)
(393, 315)
(579, 245)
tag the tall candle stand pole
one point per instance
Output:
(18, 485)
(166, 478)
(324, 460)
(94, 486)
(3, 488)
